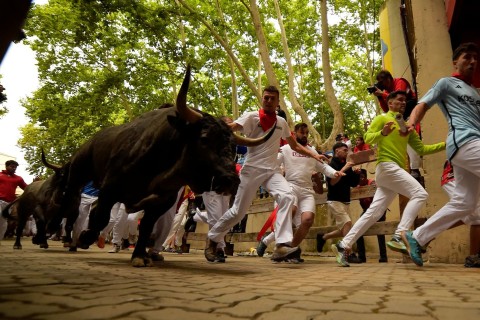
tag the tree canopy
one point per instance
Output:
(102, 63)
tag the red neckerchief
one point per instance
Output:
(267, 120)
(459, 76)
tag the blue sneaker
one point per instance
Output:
(340, 254)
(415, 249)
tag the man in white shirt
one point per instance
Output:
(260, 168)
(298, 172)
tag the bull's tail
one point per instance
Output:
(6, 211)
(54, 167)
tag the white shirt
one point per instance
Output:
(265, 155)
(299, 168)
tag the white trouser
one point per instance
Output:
(30, 227)
(215, 205)
(304, 201)
(86, 202)
(163, 225)
(466, 169)
(391, 180)
(118, 221)
(132, 224)
(250, 180)
(471, 219)
(414, 158)
(3, 221)
(176, 227)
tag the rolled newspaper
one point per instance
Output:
(401, 122)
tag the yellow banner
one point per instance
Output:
(385, 39)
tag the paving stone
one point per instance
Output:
(446, 313)
(176, 313)
(54, 284)
(335, 315)
(17, 309)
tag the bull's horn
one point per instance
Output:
(49, 165)
(253, 142)
(185, 112)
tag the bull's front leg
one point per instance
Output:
(20, 226)
(40, 238)
(98, 220)
(140, 257)
(72, 215)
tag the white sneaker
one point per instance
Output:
(115, 248)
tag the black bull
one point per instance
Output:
(144, 163)
(42, 200)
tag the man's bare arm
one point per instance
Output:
(305, 151)
(417, 113)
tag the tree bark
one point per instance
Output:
(338, 120)
(232, 69)
(297, 107)
(264, 52)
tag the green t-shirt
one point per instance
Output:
(393, 148)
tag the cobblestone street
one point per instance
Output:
(93, 284)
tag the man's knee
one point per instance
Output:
(286, 199)
(420, 194)
(307, 219)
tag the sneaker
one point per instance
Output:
(472, 261)
(261, 248)
(115, 248)
(352, 258)
(383, 260)
(340, 254)
(220, 256)
(295, 260)
(211, 251)
(101, 242)
(320, 242)
(295, 257)
(397, 244)
(178, 250)
(283, 251)
(415, 250)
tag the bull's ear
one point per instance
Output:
(176, 122)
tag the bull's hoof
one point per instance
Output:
(139, 262)
(67, 239)
(17, 247)
(156, 256)
(86, 238)
(148, 262)
(44, 245)
(36, 240)
(83, 246)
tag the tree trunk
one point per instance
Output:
(263, 48)
(338, 121)
(291, 84)
(232, 70)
